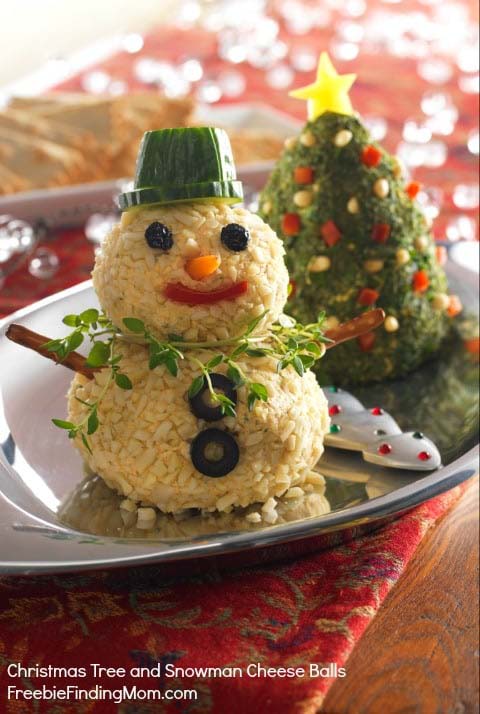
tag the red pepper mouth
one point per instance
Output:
(188, 296)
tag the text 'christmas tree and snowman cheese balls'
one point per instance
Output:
(355, 238)
(191, 407)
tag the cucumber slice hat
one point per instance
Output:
(180, 165)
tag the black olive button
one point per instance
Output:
(214, 453)
(159, 236)
(235, 237)
(200, 403)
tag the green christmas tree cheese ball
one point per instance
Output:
(356, 239)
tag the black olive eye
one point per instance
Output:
(214, 453)
(159, 236)
(235, 237)
(200, 403)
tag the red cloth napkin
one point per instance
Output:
(310, 611)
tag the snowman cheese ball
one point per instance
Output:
(184, 259)
(189, 265)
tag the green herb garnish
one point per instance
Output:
(290, 343)
(93, 325)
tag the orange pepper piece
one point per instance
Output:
(291, 224)
(366, 341)
(473, 345)
(420, 281)
(367, 296)
(412, 189)
(370, 156)
(303, 174)
(202, 267)
(455, 306)
(441, 254)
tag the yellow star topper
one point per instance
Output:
(329, 93)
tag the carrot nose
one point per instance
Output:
(202, 267)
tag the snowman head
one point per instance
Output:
(183, 259)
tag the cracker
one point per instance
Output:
(148, 112)
(42, 163)
(43, 102)
(102, 131)
(10, 182)
(254, 145)
(105, 119)
(38, 126)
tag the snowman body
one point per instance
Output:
(143, 447)
(218, 268)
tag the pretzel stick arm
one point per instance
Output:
(356, 327)
(34, 341)
(76, 362)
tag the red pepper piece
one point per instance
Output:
(291, 224)
(412, 189)
(366, 341)
(381, 232)
(371, 156)
(179, 293)
(303, 174)
(330, 233)
(420, 281)
(367, 296)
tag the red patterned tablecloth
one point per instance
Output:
(312, 610)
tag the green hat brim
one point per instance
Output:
(227, 191)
